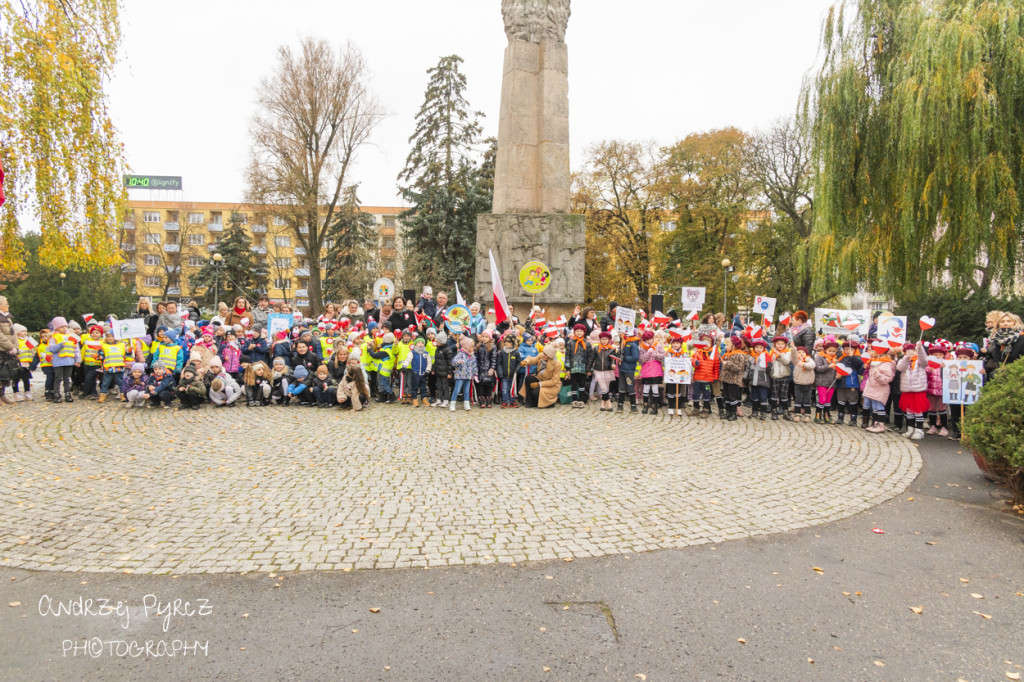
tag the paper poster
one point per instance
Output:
(835, 321)
(129, 329)
(278, 322)
(893, 330)
(458, 317)
(534, 277)
(962, 381)
(678, 370)
(764, 306)
(693, 298)
(383, 289)
(625, 321)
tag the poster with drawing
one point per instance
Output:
(893, 330)
(129, 329)
(962, 381)
(278, 322)
(842, 322)
(693, 298)
(764, 306)
(678, 370)
(625, 321)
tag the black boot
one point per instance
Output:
(68, 398)
(619, 408)
(786, 415)
(842, 414)
(647, 404)
(730, 412)
(775, 414)
(865, 419)
(57, 397)
(632, 404)
(722, 414)
(655, 402)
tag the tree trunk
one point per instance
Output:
(315, 287)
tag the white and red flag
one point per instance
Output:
(501, 311)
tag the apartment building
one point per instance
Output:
(166, 242)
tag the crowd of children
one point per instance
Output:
(848, 380)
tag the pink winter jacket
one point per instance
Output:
(878, 380)
(651, 362)
(914, 380)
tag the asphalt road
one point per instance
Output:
(830, 602)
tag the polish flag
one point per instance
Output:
(539, 322)
(693, 316)
(74, 338)
(676, 334)
(501, 312)
(561, 322)
(755, 331)
(88, 317)
(767, 319)
(552, 332)
(851, 323)
(30, 343)
(880, 347)
(843, 371)
(934, 362)
(786, 318)
(660, 319)
(687, 335)
(927, 323)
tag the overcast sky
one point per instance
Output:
(640, 70)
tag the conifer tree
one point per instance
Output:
(444, 183)
(240, 273)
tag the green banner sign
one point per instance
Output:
(152, 181)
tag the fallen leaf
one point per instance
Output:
(983, 615)
(14, 603)
(546, 669)
(964, 580)
(811, 661)
(977, 596)
(880, 664)
(642, 677)
(355, 631)
(741, 640)
(1013, 676)
(858, 594)
(846, 594)
(543, 629)
(567, 559)
(931, 543)
(245, 615)
(817, 570)
(917, 609)
(375, 610)
(549, 577)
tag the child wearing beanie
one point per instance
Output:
(848, 393)
(112, 357)
(134, 385)
(160, 387)
(486, 367)
(803, 384)
(27, 361)
(938, 412)
(578, 362)
(825, 380)
(66, 356)
(606, 355)
(420, 362)
(673, 390)
(464, 365)
(508, 364)
(782, 377)
(735, 364)
(652, 367)
(629, 359)
(191, 388)
(707, 366)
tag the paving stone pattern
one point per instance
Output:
(87, 487)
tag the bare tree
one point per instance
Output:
(314, 114)
(168, 245)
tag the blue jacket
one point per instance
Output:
(478, 323)
(157, 386)
(528, 351)
(283, 351)
(630, 356)
(256, 349)
(856, 363)
(420, 362)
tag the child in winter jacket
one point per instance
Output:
(191, 388)
(707, 366)
(803, 383)
(629, 356)
(825, 380)
(464, 366)
(577, 363)
(879, 374)
(758, 378)
(913, 368)
(735, 364)
(486, 367)
(848, 392)
(652, 367)
(324, 387)
(443, 370)
(258, 384)
(781, 373)
(605, 357)
(419, 368)
(353, 387)
(508, 364)
(133, 387)
(938, 412)
(280, 375)
(160, 387)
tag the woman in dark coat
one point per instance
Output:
(402, 316)
(802, 332)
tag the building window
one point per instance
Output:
(153, 238)
(279, 221)
(196, 218)
(151, 216)
(389, 221)
(153, 282)
(195, 262)
(283, 284)
(240, 218)
(174, 282)
(172, 216)
(303, 262)
(670, 226)
(388, 243)
(216, 218)
(151, 259)
(196, 239)
(283, 241)
(259, 240)
(172, 238)
(283, 262)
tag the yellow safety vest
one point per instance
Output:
(168, 354)
(113, 356)
(387, 364)
(45, 356)
(369, 364)
(326, 347)
(24, 352)
(91, 352)
(68, 350)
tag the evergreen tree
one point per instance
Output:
(353, 255)
(918, 116)
(443, 183)
(240, 272)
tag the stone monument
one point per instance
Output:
(530, 219)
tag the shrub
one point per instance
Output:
(994, 426)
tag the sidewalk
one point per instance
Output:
(666, 615)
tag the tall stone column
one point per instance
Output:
(530, 218)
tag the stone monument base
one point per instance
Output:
(556, 239)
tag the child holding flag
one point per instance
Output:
(825, 380)
(913, 368)
(66, 356)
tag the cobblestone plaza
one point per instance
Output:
(86, 487)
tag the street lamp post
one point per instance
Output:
(217, 265)
(726, 269)
(63, 276)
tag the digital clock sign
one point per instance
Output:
(152, 181)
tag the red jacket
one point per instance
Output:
(705, 368)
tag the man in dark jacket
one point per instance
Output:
(440, 309)
(608, 319)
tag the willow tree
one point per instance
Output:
(59, 148)
(918, 128)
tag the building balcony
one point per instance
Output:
(172, 248)
(171, 226)
(259, 229)
(129, 225)
(303, 230)
(300, 251)
(301, 293)
(127, 247)
(128, 267)
(174, 291)
(302, 272)
(212, 247)
(215, 227)
(259, 249)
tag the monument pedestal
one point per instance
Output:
(556, 239)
